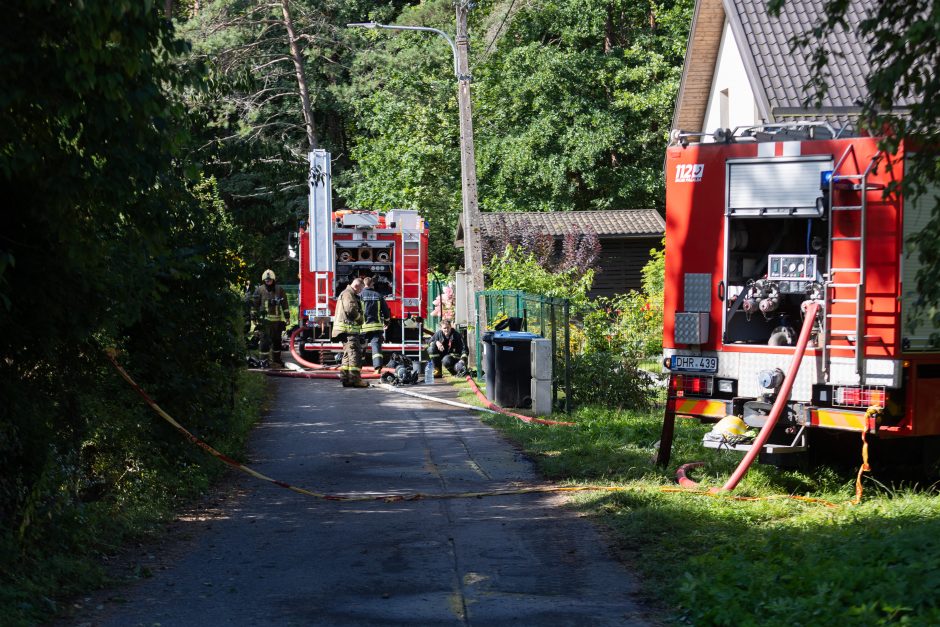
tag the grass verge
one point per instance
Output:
(69, 560)
(715, 561)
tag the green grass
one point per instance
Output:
(68, 562)
(716, 561)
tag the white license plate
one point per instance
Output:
(693, 363)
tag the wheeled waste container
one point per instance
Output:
(513, 368)
(489, 364)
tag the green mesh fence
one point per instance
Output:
(543, 315)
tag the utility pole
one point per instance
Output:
(472, 250)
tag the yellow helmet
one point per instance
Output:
(730, 427)
(268, 274)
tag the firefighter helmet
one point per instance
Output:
(268, 274)
(730, 427)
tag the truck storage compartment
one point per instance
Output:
(773, 266)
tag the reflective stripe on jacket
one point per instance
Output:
(348, 318)
(375, 311)
(272, 303)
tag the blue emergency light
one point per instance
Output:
(825, 178)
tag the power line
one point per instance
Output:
(498, 30)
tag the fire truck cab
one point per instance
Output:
(337, 246)
(762, 221)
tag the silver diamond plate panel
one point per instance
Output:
(691, 328)
(698, 292)
(750, 364)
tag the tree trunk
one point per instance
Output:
(168, 9)
(301, 79)
(609, 29)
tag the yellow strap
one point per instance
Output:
(863, 468)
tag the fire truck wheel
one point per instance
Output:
(311, 356)
(930, 456)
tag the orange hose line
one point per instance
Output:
(498, 409)
(714, 493)
(861, 469)
(390, 497)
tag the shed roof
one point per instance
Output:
(622, 223)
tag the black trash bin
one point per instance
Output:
(513, 351)
(489, 364)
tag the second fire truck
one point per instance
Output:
(337, 246)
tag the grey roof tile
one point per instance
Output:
(615, 222)
(784, 73)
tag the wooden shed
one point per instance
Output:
(626, 237)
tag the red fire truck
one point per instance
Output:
(762, 221)
(337, 246)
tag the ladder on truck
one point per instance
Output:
(411, 255)
(845, 282)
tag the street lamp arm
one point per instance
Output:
(453, 46)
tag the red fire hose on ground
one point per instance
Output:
(500, 410)
(329, 372)
(324, 372)
(782, 395)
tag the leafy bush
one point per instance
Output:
(617, 334)
(598, 378)
(517, 269)
(125, 249)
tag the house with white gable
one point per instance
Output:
(740, 69)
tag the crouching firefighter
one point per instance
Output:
(347, 326)
(447, 349)
(375, 311)
(270, 303)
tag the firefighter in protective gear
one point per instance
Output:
(446, 349)
(270, 304)
(375, 313)
(347, 326)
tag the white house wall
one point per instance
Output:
(731, 76)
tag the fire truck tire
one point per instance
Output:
(930, 458)
(311, 356)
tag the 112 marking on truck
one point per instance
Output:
(762, 221)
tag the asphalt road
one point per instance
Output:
(269, 556)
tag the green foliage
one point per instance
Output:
(572, 102)
(573, 106)
(620, 333)
(710, 560)
(604, 380)
(517, 269)
(402, 107)
(107, 239)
